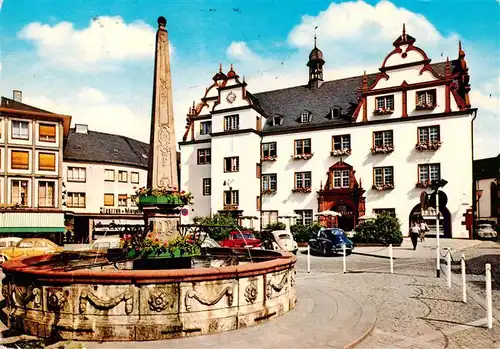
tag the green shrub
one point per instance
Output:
(302, 233)
(385, 229)
(226, 222)
(276, 226)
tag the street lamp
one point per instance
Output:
(435, 185)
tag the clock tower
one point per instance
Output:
(315, 65)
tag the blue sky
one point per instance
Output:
(94, 59)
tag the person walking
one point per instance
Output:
(423, 229)
(414, 232)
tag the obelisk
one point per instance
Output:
(162, 170)
(162, 220)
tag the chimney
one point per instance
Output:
(81, 128)
(17, 96)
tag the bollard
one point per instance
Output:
(391, 259)
(344, 258)
(448, 263)
(464, 285)
(308, 258)
(489, 304)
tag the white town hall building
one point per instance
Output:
(358, 146)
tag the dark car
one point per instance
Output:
(329, 241)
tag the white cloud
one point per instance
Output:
(1, 3)
(240, 51)
(105, 41)
(92, 107)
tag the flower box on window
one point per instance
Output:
(434, 145)
(231, 207)
(301, 190)
(269, 192)
(425, 106)
(425, 184)
(382, 187)
(383, 111)
(269, 158)
(302, 156)
(385, 149)
(340, 152)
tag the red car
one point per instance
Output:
(241, 239)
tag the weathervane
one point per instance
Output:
(315, 36)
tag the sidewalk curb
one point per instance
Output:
(367, 332)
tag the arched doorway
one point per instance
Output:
(429, 216)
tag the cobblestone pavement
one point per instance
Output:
(414, 309)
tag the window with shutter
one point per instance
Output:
(19, 192)
(47, 133)
(20, 160)
(109, 199)
(46, 161)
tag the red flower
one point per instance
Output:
(183, 192)
(156, 240)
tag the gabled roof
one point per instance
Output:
(108, 148)
(487, 168)
(12, 104)
(290, 102)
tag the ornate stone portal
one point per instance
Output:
(162, 171)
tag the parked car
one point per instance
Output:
(329, 241)
(241, 239)
(8, 242)
(279, 240)
(486, 231)
(30, 247)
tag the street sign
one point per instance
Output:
(184, 212)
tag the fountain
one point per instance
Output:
(160, 284)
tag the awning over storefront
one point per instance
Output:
(31, 222)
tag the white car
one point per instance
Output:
(279, 240)
(103, 244)
(486, 231)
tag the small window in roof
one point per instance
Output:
(304, 116)
(335, 112)
(276, 120)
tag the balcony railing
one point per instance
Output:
(429, 145)
(341, 152)
(384, 149)
(382, 187)
(302, 190)
(305, 156)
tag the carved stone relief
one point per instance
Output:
(251, 292)
(276, 287)
(22, 295)
(158, 301)
(56, 300)
(227, 292)
(107, 304)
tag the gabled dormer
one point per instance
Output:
(335, 113)
(305, 117)
(276, 120)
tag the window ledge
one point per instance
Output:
(423, 184)
(269, 192)
(428, 146)
(302, 190)
(425, 107)
(382, 150)
(302, 156)
(383, 187)
(269, 158)
(383, 111)
(341, 152)
(230, 207)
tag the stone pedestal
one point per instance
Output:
(163, 223)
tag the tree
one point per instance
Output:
(385, 229)
(302, 233)
(226, 222)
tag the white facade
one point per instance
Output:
(406, 78)
(86, 186)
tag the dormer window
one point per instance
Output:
(426, 100)
(276, 120)
(335, 113)
(384, 105)
(304, 117)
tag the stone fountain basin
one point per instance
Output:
(137, 305)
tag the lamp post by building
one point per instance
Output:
(435, 185)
